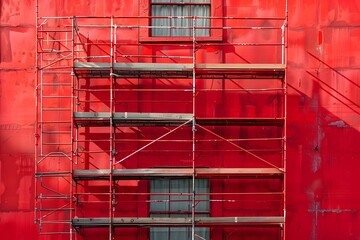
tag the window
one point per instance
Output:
(168, 204)
(157, 29)
(180, 26)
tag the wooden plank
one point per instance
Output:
(178, 222)
(165, 119)
(177, 66)
(168, 70)
(152, 173)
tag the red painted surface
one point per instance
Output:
(323, 113)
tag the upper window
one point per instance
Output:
(172, 20)
(180, 22)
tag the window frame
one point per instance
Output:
(216, 24)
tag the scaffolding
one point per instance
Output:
(113, 111)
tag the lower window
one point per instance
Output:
(172, 198)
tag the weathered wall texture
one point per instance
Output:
(323, 111)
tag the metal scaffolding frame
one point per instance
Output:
(63, 61)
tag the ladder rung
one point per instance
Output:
(49, 144)
(53, 233)
(48, 50)
(57, 97)
(57, 144)
(55, 84)
(56, 222)
(68, 157)
(58, 40)
(54, 30)
(54, 154)
(56, 109)
(52, 60)
(56, 132)
(51, 174)
(56, 122)
(56, 72)
(53, 197)
(55, 209)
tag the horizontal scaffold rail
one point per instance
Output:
(170, 70)
(89, 119)
(276, 221)
(52, 174)
(152, 173)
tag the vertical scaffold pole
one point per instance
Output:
(72, 124)
(193, 127)
(285, 40)
(111, 129)
(36, 131)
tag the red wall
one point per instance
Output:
(323, 110)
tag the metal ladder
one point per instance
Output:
(54, 126)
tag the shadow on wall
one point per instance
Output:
(322, 203)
